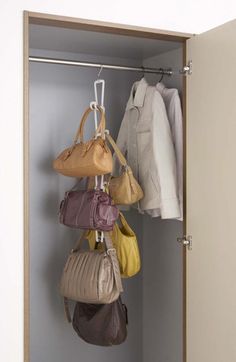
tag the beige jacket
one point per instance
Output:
(145, 138)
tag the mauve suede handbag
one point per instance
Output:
(91, 209)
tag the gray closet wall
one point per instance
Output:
(58, 96)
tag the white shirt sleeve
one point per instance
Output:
(175, 116)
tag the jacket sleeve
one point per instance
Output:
(164, 160)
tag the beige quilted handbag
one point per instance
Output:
(92, 276)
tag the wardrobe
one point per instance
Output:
(177, 303)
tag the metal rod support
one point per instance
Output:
(98, 65)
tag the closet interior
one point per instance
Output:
(58, 96)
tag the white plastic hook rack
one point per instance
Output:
(94, 105)
(96, 83)
(101, 103)
(99, 235)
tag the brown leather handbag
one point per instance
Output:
(101, 324)
(92, 276)
(86, 158)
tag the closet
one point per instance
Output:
(56, 96)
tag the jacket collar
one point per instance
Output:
(137, 94)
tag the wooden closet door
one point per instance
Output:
(211, 196)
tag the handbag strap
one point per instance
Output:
(125, 224)
(80, 132)
(108, 242)
(75, 187)
(79, 242)
(111, 251)
(67, 309)
(101, 127)
(117, 151)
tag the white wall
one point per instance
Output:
(172, 15)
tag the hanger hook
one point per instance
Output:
(143, 71)
(162, 74)
(100, 71)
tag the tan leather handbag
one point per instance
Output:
(86, 158)
(92, 276)
(126, 245)
(124, 189)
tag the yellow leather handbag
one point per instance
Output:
(86, 158)
(125, 242)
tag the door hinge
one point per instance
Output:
(187, 69)
(186, 241)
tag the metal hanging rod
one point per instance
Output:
(99, 65)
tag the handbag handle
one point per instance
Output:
(117, 151)
(79, 242)
(80, 132)
(125, 224)
(101, 127)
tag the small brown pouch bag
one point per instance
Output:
(124, 189)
